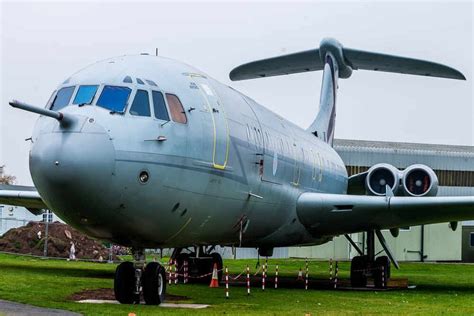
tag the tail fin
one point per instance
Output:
(337, 62)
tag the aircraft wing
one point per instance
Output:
(22, 196)
(335, 214)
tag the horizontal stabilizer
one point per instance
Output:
(347, 59)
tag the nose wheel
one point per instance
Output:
(134, 278)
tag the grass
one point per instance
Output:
(441, 289)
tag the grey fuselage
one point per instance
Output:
(231, 175)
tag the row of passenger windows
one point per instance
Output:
(115, 98)
(288, 147)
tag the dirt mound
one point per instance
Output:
(30, 239)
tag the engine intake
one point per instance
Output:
(419, 180)
(381, 175)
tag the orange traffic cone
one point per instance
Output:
(215, 279)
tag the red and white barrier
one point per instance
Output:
(248, 280)
(226, 282)
(264, 274)
(175, 272)
(335, 275)
(185, 268)
(330, 270)
(306, 276)
(276, 277)
(170, 273)
(383, 277)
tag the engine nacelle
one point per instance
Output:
(381, 175)
(419, 180)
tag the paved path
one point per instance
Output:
(8, 308)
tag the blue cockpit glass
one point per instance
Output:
(159, 106)
(141, 104)
(85, 95)
(62, 98)
(114, 98)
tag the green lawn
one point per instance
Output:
(441, 289)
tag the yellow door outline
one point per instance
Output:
(210, 109)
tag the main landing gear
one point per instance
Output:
(200, 262)
(366, 266)
(132, 279)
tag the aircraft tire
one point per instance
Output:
(379, 280)
(154, 284)
(358, 274)
(124, 283)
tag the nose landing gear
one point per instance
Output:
(132, 279)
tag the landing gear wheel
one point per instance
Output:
(380, 281)
(358, 271)
(154, 284)
(217, 259)
(124, 284)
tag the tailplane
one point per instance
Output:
(337, 62)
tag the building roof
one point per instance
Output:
(339, 143)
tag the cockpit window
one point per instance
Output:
(85, 95)
(140, 81)
(62, 98)
(114, 98)
(159, 106)
(141, 104)
(176, 109)
(151, 83)
(51, 98)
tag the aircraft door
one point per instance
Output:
(220, 148)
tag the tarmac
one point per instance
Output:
(8, 308)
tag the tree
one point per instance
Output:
(6, 178)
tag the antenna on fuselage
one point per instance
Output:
(156, 51)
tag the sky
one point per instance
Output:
(42, 43)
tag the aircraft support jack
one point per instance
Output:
(366, 266)
(134, 278)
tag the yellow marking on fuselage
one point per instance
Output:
(216, 165)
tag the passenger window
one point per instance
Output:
(141, 104)
(62, 98)
(114, 98)
(159, 106)
(176, 109)
(85, 95)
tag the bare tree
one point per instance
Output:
(6, 178)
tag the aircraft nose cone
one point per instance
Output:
(73, 170)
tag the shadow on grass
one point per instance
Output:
(58, 271)
(441, 288)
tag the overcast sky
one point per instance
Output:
(42, 43)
